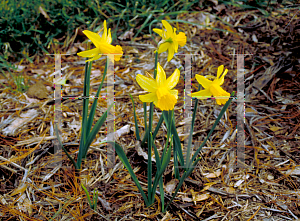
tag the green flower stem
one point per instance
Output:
(126, 163)
(86, 90)
(176, 146)
(192, 164)
(161, 119)
(145, 118)
(149, 171)
(94, 106)
(213, 127)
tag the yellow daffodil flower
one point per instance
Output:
(212, 88)
(161, 93)
(170, 40)
(103, 46)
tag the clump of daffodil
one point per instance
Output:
(213, 88)
(170, 40)
(103, 46)
(161, 93)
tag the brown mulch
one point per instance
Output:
(35, 185)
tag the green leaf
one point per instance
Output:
(181, 180)
(143, 26)
(214, 126)
(83, 136)
(155, 131)
(159, 173)
(149, 165)
(96, 129)
(135, 120)
(126, 163)
(88, 196)
(177, 143)
(94, 106)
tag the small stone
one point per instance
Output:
(38, 90)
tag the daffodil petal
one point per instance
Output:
(104, 35)
(146, 83)
(220, 80)
(175, 46)
(163, 47)
(203, 81)
(151, 97)
(174, 93)
(94, 37)
(94, 58)
(158, 31)
(170, 53)
(203, 94)
(220, 70)
(161, 76)
(108, 39)
(167, 26)
(181, 39)
(173, 79)
(89, 53)
(217, 91)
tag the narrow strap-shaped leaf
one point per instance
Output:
(191, 131)
(157, 158)
(177, 144)
(181, 180)
(165, 162)
(96, 129)
(161, 119)
(143, 26)
(214, 126)
(145, 117)
(168, 132)
(149, 165)
(62, 208)
(162, 193)
(86, 87)
(137, 133)
(126, 163)
(87, 195)
(86, 96)
(94, 106)
(158, 166)
(95, 198)
(151, 105)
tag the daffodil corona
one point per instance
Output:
(170, 40)
(213, 88)
(103, 46)
(161, 93)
